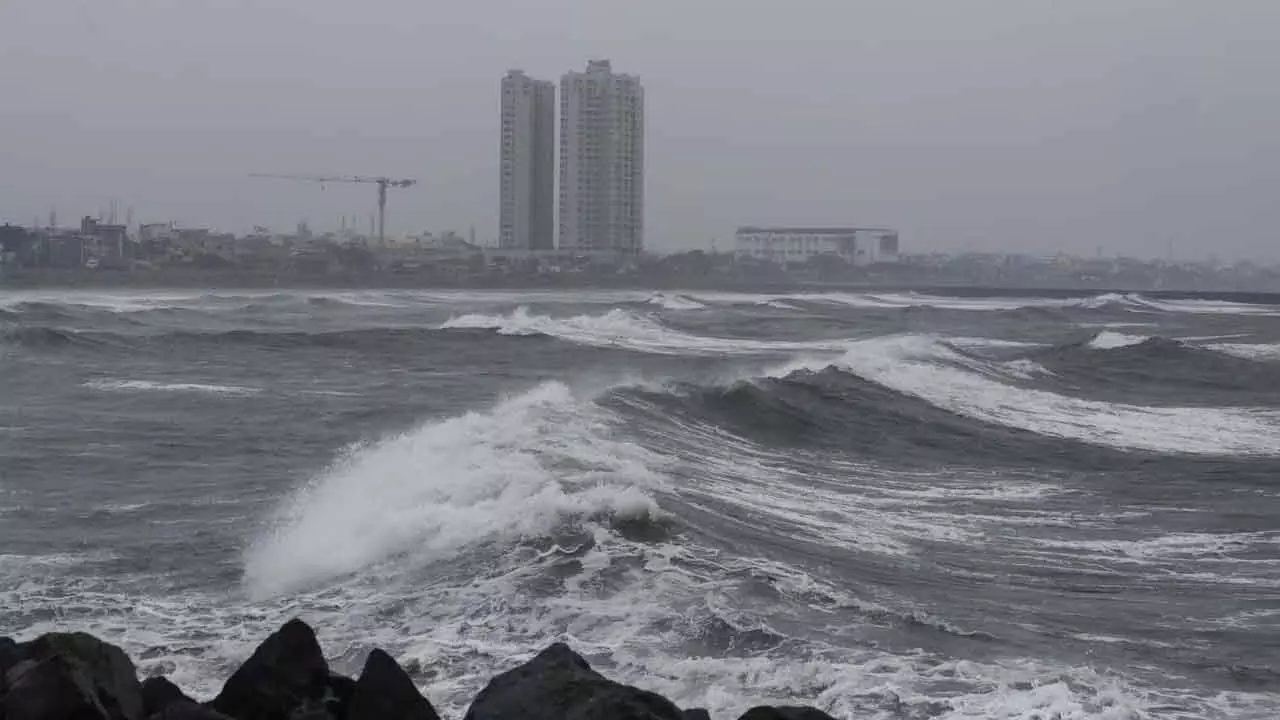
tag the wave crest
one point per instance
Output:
(1109, 340)
(676, 302)
(619, 328)
(519, 469)
(924, 367)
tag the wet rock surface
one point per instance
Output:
(75, 676)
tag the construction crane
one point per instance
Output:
(382, 182)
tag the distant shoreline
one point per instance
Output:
(239, 280)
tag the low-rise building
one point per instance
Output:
(795, 245)
(64, 250)
(17, 246)
(107, 245)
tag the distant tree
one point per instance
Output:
(354, 257)
(829, 266)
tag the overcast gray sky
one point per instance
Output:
(984, 124)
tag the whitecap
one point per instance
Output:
(155, 386)
(518, 469)
(924, 367)
(1110, 340)
(619, 328)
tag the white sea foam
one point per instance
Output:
(923, 366)
(474, 629)
(624, 329)
(1140, 303)
(879, 300)
(858, 506)
(1207, 338)
(1023, 369)
(1109, 340)
(941, 302)
(122, 508)
(1173, 546)
(1114, 325)
(112, 302)
(17, 564)
(1100, 301)
(981, 342)
(374, 536)
(518, 469)
(777, 304)
(628, 607)
(1249, 351)
(371, 556)
(155, 386)
(676, 302)
(1205, 307)
(1133, 302)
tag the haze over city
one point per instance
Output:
(985, 125)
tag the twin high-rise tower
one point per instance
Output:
(601, 162)
(527, 185)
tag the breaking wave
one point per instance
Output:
(925, 367)
(1250, 351)
(519, 469)
(676, 302)
(1130, 302)
(1109, 340)
(935, 369)
(883, 525)
(575, 490)
(619, 328)
(548, 456)
(153, 386)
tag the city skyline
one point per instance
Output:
(600, 188)
(999, 126)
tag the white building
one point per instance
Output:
(601, 160)
(527, 186)
(793, 245)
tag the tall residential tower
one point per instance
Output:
(601, 160)
(527, 192)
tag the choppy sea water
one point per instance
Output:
(885, 505)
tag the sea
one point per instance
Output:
(885, 505)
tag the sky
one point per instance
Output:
(1113, 126)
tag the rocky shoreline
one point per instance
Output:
(75, 676)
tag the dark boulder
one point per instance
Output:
(159, 693)
(50, 689)
(335, 698)
(286, 671)
(338, 694)
(11, 653)
(72, 675)
(385, 690)
(558, 684)
(312, 710)
(697, 714)
(187, 710)
(785, 713)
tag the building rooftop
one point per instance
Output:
(795, 230)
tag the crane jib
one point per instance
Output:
(381, 182)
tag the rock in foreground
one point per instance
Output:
(159, 693)
(70, 675)
(385, 690)
(287, 672)
(558, 684)
(75, 676)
